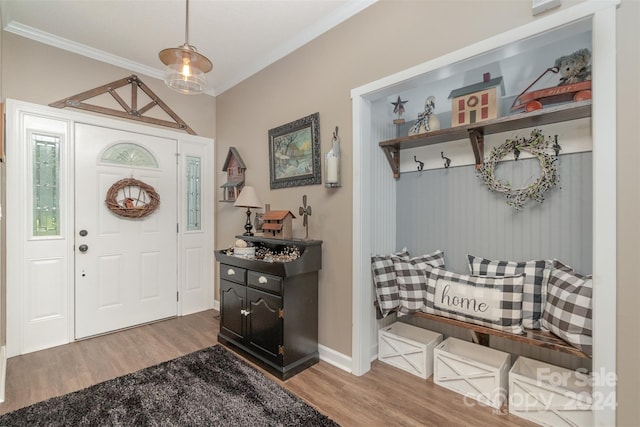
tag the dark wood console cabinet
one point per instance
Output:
(269, 310)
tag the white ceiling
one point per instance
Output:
(240, 37)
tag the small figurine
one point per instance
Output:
(398, 109)
(427, 120)
(574, 68)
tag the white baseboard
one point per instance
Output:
(216, 305)
(335, 358)
(374, 352)
(3, 371)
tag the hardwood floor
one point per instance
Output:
(384, 396)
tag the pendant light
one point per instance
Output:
(186, 68)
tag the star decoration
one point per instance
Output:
(398, 106)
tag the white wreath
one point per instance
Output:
(538, 146)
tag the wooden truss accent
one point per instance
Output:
(130, 112)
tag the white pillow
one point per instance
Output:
(494, 302)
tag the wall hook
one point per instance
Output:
(420, 164)
(447, 161)
(556, 146)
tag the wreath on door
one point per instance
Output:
(132, 198)
(538, 146)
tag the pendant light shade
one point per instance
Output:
(186, 68)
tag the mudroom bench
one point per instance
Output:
(480, 334)
(534, 337)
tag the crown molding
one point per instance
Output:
(318, 28)
(81, 49)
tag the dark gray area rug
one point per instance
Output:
(211, 387)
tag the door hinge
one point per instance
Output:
(281, 350)
(177, 227)
(281, 313)
(177, 295)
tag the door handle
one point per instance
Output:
(83, 248)
(245, 312)
(262, 279)
(231, 272)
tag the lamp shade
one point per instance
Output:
(186, 68)
(248, 198)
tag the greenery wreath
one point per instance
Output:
(131, 198)
(538, 146)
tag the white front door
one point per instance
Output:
(125, 268)
(132, 268)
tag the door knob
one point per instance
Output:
(83, 233)
(83, 248)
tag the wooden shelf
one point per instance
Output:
(537, 338)
(481, 334)
(476, 131)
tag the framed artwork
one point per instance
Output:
(294, 153)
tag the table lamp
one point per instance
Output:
(248, 199)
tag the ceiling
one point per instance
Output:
(240, 37)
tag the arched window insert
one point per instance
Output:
(129, 154)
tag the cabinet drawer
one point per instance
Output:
(233, 273)
(265, 282)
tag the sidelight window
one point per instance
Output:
(46, 184)
(193, 193)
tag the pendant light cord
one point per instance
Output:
(186, 26)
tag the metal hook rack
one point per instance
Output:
(556, 147)
(447, 161)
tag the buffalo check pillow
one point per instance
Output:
(494, 302)
(410, 274)
(534, 288)
(568, 310)
(384, 280)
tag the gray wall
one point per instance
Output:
(452, 210)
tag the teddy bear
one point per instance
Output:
(574, 68)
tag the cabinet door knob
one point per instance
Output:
(245, 312)
(231, 272)
(262, 279)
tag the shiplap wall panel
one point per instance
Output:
(452, 210)
(382, 238)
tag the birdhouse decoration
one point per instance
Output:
(476, 102)
(278, 224)
(235, 168)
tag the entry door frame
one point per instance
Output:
(195, 247)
